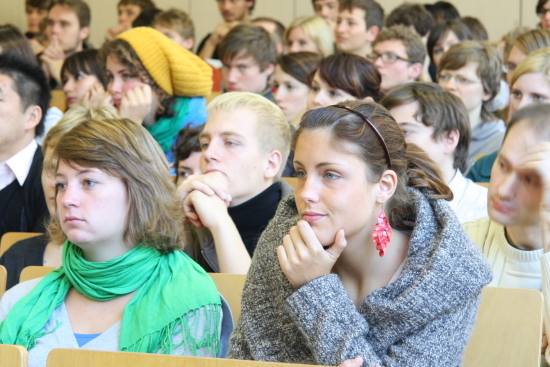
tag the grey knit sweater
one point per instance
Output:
(422, 318)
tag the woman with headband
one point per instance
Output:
(366, 263)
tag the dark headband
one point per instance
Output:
(368, 122)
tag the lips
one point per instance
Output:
(72, 220)
(311, 217)
(501, 207)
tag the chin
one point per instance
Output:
(325, 236)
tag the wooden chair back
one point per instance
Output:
(484, 184)
(91, 358)
(230, 287)
(9, 238)
(59, 100)
(508, 330)
(13, 356)
(33, 272)
(3, 281)
(292, 181)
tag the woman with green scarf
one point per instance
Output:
(124, 284)
(155, 82)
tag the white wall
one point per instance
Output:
(498, 16)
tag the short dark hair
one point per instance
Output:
(477, 29)
(143, 4)
(187, 142)
(84, 61)
(80, 7)
(29, 82)
(351, 73)
(443, 10)
(374, 13)
(540, 6)
(253, 40)
(414, 15)
(438, 108)
(249, 1)
(146, 18)
(40, 4)
(12, 41)
(442, 28)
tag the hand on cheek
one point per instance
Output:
(303, 258)
(136, 103)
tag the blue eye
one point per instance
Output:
(301, 174)
(60, 186)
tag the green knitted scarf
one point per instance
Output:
(171, 289)
(166, 128)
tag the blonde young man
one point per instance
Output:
(245, 144)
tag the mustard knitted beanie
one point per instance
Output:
(176, 70)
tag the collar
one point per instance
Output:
(458, 183)
(21, 162)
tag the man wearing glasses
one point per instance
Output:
(398, 54)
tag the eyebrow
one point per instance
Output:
(321, 164)
(87, 170)
(224, 134)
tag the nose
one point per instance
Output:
(69, 86)
(294, 47)
(225, 5)
(210, 153)
(308, 190)
(340, 28)
(450, 85)
(115, 86)
(325, 12)
(524, 101)
(279, 94)
(231, 74)
(318, 100)
(68, 196)
(378, 62)
(506, 185)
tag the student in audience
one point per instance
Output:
(146, 18)
(248, 54)
(530, 85)
(233, 12)
(477, 30)
(188, 153)
(543, 11)
(442, 10)
(40, 250)
(328, 10)
(37, 11)
(24, 98)
(357, 26)
(511, 237)
(13, 42)
(68, 27)
(292, 75)
(343, 77)
(118, 217)
(398, 54)
(155, 82)
(275, 28)
(84, 80)
(128, 11)
(472, 71)
(245, 144)
(437, 121)
(443, 36)
(524, 45)
(317, 278)
(310, 34)
(176, 25)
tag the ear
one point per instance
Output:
(415, 70)
(189, 43)
(269, 69)
(386, 186)
(450, 140)
(274, 161)
(83, 33)
(33, 114)
(486, 97)
(372, 32)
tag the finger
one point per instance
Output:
(308, 236)
(300, 248)
(192, 184)
(147, 93)
(356, 362)
(283, 258)
(339, 245)
(290, 251)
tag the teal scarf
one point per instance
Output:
(166, 128)
(171, 288)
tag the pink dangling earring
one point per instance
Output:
(382, 233)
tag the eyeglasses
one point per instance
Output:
(372, 126)
(457, 78)
(387, 57)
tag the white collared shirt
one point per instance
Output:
(18, 166)
(469, 199)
